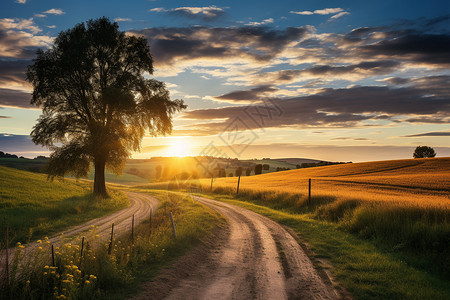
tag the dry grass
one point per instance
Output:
(424, 182)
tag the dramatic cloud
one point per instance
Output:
(294, 54)
(435, 85)
(21, 1)
(19, 38)
(54, 11)
(170, 45)
(418, 47)
(15, 98)
(19, 24)
(247, 95)
(348, 72)
(13, 72)
(331, 108)
(207, 13)
(432, 134)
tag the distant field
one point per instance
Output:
(32, 206)
(419, 181)
(273, 164)
(33, 165)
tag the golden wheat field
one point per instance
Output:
(425, 182)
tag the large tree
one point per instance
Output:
(97, 100)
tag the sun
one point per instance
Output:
(179, 148)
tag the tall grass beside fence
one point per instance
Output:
(95, 274)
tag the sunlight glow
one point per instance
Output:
(179, 148)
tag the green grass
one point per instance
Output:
(38, 165)
(363, 267)
(31, 206)
(26, 164)
(119, 274)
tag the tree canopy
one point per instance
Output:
(423, 152)
(97, 102)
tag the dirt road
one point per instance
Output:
(256, 259)
(140, 207)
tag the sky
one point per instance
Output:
(329, 80)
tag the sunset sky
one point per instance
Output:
(329, 80)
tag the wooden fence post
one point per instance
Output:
(53, 256)
(81, 250)
(212, 178)
(173, 225)
(309, 192)
(239, 180)
(111, 241)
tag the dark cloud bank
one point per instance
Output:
(332, 108)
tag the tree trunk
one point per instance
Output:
(99, 179)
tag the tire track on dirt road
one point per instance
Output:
(256, 259)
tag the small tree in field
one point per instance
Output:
(423, 152)
(96, 102)
(258, 169)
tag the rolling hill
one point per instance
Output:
(420, 181)
(32, 206)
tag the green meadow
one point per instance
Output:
(32, 206)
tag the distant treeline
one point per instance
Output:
(13, 161)
(8, 155)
